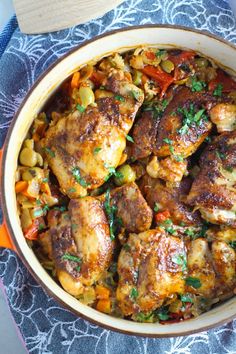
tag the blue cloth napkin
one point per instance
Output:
(45, 326)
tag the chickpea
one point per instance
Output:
(86, 96)
(31, 173)
(127, 174)
(28, 157)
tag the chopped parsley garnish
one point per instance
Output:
(134, 293)
(41, 227)
(78, 178)
(221, 155)
(168, 141)
(72, 190)
(96, 150)
(110, 212)
(60, 208)
(38, 212)
(46, 208)
(191, 117)
(156, 207)
(80, 108)
(189, 233)
(49, 151)
(229, 169)
(162, 313)
(71, 257)
(160, 53)
(178, 158)
(232, 244)
(45, 180)
(119, 98)
(38, 202)
(156, 107)
(204, 228)
(186, 298)
(113, 267)
(78, 268)
(181, 260)
(143, 317)
(112, 172)
(208, 139)
(194, 282)
(218, 90)
(126, 247)
(129, 138)
(182, 223)
(197, 86)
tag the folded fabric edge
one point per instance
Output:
(6, 34)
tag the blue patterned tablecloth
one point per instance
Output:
(45, 326)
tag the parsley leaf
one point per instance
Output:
(197, 85)
(96, 150)
(156, 207)
(160, 53)
(162, 313)
(110, 212)
(134, 293)
(129, 138)
(49, 151)
(181, 260)
(221, 155)
(112, 172)
(191, 117)
(119, 98)
(78, 178)
(168, 141)
(71, 257)
(80, 108)
(229, 169)
(218, 90)
(194, 282)
(186, 298)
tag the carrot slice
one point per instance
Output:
(75, 80)
(21, 186)
(102, 292)
(104, 306)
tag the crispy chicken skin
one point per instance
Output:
(147, 271)
(200, 266)
(213, 190)
(71, 143)
(83, 232)
(144, 135)
(169, 198)
(182, 144)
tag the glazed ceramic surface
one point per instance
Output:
(160, 36)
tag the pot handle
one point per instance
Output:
(5, 238)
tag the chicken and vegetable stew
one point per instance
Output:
(126, 185)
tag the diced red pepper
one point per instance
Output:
(224, 79)
(163, 79)
(162, 216)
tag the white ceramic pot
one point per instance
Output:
(161, 36)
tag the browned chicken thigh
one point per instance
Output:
(82, 147)
(148, 271)
(81, 246)
(214, 189)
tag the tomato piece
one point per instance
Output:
(163, 79)
(150, 55)
(162, 216)
(97, 77)
(185, 56)
(224, 79)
